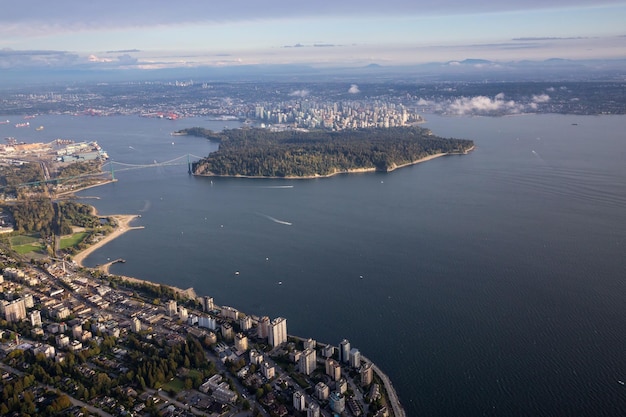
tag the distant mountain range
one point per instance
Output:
(466, 70)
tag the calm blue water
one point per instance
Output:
(492, 283)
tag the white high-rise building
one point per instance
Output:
(241, 342)
(135, 325)
(299, 402)
(35, 318)
(171, 308)
(355, 358)
(14, 310)
(307, 362)
(366, 373)
(277, 331)
(183, 314)
(321, 391)
(207, 303)
(310, 344)
(245, 323)
(333, 369)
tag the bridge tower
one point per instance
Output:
(188, 164)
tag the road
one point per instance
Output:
(398, 410)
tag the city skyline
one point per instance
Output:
(156, 35)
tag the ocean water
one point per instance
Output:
(491, 283)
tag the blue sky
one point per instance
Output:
(158, 34)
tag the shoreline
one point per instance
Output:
(350, 171)
(123, 226)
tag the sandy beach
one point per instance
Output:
(123, 226)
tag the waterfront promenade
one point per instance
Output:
(398, 410)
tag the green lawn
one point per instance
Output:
(24, 244)
(24, 239)
(31, 247)
(73, 240)
(175, 384)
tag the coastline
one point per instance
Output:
(349, 171)
(123, 226)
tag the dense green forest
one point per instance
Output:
(12, 176)
(263, 153)
(38, 215)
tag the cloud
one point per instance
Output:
(483, 105)
(299, 93)
(123, 51)
(10, 58)
(547, 38)
(354, 89)
(541, 98)
(94, 58)
(44, 18)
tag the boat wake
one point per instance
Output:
(146, 206)
(275, 220)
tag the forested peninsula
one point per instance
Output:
(252, 152)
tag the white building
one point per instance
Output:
(328, 351)
(245, 323)
(135, 325)
(355, 358)
(183, 314)
(241, 342)
(277, 332)
(310, 344)
(333, 369)
(366, 373)
(256, 358)
(35, 318)
(77, 332)
(171, 308)
(227, 331)
(207, 304)
(322, 391)
(268, 370)
(207, 322)
(229, 313)
(29, 302)
(307, 362)
(299, 402)
(62, 340)
(13, 311)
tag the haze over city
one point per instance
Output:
(158, 34)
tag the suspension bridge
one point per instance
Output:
(113, 166)
(181, 160)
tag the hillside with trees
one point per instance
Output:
(302, 154)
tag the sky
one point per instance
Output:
(151, 34)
